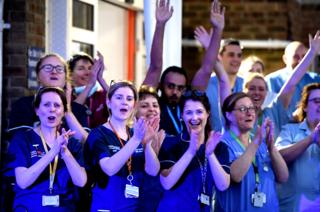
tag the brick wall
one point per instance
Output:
(252, 19)
(27, 19)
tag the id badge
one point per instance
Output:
(131, 191)
(204, 199)
(50, 200)
(258, 199)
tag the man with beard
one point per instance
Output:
(173, 81)
(293, 54)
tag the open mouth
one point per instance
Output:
(51, 118)
(194, 124)
(53, 78)
(123, 110)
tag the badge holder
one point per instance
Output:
(204, 199)
(51, 199)
(258, 199)
(131, 191)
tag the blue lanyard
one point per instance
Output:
(176, 125)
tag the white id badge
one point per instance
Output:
(131, 191)
(258, 199)
(50, 200)
(204, 199)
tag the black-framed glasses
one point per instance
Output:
(173, 86)
(197, 93)
(244, 109)
(315, 100)
(49, 68)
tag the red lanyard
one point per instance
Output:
(129, 162)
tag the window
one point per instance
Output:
(82, 16)
(81, 47)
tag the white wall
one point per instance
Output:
(112, 40)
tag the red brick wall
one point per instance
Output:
(252, 19)
(27, 19)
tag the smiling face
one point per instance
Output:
(194, 115)
(81, 72)
(50, 110)
(231, 59)
(243, 120)
(122, 103)
(313, 107)
(257, 90)
(52, 78)
(148, 107)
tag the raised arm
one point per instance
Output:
(288, 88)
(163, 14)
(201, 78)
(220, 177)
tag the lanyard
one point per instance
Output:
(129, 162)
(175, 123)
(255, 166)
(203, 169)
(52, 170)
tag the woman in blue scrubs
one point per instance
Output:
(47, 162)
(120, 155)
(189, 167)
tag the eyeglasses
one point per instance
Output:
(173, 86)
(49, 68)
(197, 93)
(244, 109)
(315, 100)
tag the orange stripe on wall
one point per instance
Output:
(131, 44)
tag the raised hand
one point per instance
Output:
(157, 142)
(267, 132)
(152, 127)
(212, 142)
(314, 43)
(194, 143)
(316, 134)
(139, 129)
(68, 96)
(101, 66)
(163, 11)
(217, 15)
(202, 35)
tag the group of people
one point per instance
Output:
(223, 143)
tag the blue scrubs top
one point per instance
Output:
(109, 191)
(276, 80)
(302, 190)
(238, 196)
(216, 117)
(183, 196)
(26, 149)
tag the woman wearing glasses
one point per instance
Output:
(47, 162)
(189, 167)
(119, 155)
(298, 143)
(254, 164)
(51, 71)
